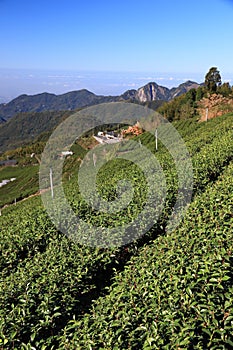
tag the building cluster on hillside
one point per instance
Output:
(66, 153)
(113, 137)
(107, 137)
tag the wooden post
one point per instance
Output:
(206, 113)
(156, 139)
(94, 159)
(51, 182)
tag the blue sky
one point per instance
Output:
(127, 36)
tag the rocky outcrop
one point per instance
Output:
(214, 106)
(152, 92)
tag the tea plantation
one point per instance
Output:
(166, 290)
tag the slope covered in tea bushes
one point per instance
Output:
(177, 293)
(161, 291)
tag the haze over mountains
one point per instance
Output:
(83, 98)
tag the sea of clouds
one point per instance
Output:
(14, 82)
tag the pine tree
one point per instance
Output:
(213, 79)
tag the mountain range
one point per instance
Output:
(83, 98)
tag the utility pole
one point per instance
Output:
(156, 139)
(206, 114)
(94, 159)
(51, 182)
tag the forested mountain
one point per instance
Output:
(51, 102)
(187, 100)
(82, 98)
(26, 127)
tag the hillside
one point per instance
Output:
(164, 290)
(26, 127)
(82, 98)
(26, 117)
(51, 102)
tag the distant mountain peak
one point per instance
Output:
(183, 88)
(151, 92)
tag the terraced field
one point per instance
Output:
(165, 290)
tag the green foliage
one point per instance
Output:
(23, 154)
(200, 93)
(26, 127)
(153, 104)
(26, 183)
(186, 106)
(177, 293)
(225, 90)
(181, 107)
(163, 291)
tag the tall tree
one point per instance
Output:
(213, 79)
